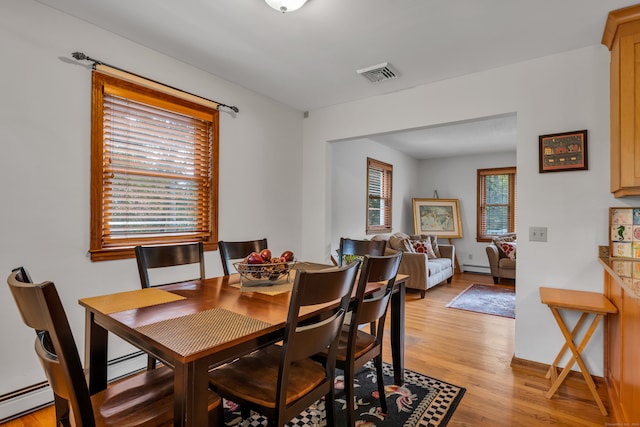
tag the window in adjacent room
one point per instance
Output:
(154, 168)
(379, 183)
(496, 202)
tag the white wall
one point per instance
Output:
(456, 178)
(552, 94)
(45, 167)
(349, 183)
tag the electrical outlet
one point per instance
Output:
(470, 256)
(538, 234)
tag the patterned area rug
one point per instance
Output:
(422, 401)
(496, 300)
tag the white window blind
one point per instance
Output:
(379, 201)
(496, 202)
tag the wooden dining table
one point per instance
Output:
(195, 326)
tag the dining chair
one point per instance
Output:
(356, 347)
(280, 381)
(359, 248)
(236, 250)
(144, 399)
(151, 257)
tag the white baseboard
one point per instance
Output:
(23, 403)
(472, 268)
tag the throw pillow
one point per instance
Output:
(499, 240)
(509, 249)
(400, 242)
(423, 247)
(434, 245)
(433, 241)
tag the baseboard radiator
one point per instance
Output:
(31, 398)
(474, 268)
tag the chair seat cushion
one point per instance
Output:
(507, 263)
(437, 265)
(144, 399)
(254, 378)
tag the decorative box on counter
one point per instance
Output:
(624, 232)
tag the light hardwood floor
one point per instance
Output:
(474, 351)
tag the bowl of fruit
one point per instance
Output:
(263, 268)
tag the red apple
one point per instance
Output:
(287, 256)
(266, 255)
(254, 258)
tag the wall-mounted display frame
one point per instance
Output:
(565, 151)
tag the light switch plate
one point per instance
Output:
(538, 234)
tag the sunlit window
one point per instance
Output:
(154, 169)
(496, 202)
(379, 184)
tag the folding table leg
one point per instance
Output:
(569, 337)
(552, 372)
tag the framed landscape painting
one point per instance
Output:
(440, 217)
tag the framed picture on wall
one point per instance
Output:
(563, 151)
(440, 217)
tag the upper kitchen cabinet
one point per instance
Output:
(622, 37)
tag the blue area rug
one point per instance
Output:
(496, 300)
(421, 401)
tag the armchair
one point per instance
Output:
(502, 266)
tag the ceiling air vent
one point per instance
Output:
(379, 73)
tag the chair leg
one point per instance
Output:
(216, 417)
(349, 391)
(62, 411)
(151, 363)
(496, 280)
(377, 361)
(423, 293)
(330, 408)
(245, 412)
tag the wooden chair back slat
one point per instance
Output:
(150, 257)
(236, 250)
(360, 248)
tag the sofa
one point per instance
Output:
(425, 261)
(502, 257)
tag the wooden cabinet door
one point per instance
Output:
(629, 119)
(630, 386)
(613, 342)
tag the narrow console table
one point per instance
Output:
(589, 304)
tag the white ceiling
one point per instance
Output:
(308, 59)
(483, 135)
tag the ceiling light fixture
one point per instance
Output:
(286, 5)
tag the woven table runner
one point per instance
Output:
(190, 334)
(123, 301)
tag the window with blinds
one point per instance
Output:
(496, 202)
(154, 169)
(379, 184)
